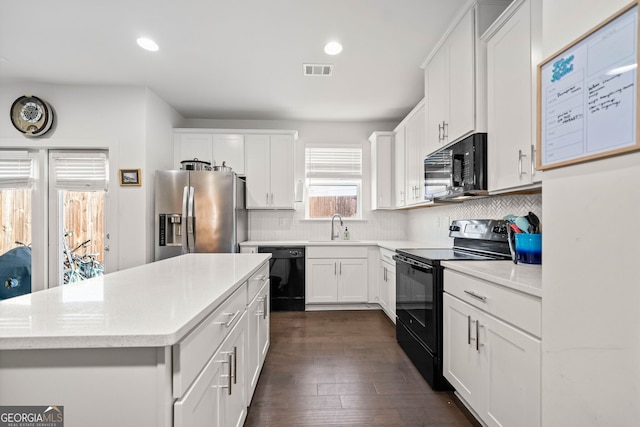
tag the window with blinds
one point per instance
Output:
(334, 181)
(80, 170)
(16, 169)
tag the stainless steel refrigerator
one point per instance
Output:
(199, 211)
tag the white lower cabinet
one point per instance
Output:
(495, 367)
(237, 336)
(387, 284)
(341, 279)
(258, 336)
(217, 397)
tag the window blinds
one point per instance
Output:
(80, 170)
(16, 169)
(333, 162)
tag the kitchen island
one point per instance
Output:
(136, 346)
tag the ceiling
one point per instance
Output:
(233, 59)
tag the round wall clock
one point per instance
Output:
(31, 115)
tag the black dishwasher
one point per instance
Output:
(286, 273)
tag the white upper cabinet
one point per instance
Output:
(381, 170)
(449, 86)
(415, 129)
(455, 75)
(513, 52)
(399, 195)
(269, 170)
(409, 158)
(209, 146)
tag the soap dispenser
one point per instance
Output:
(346, 233)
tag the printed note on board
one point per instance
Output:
(588, 94)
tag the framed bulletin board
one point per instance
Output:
(588, 95)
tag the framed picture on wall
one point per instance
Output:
(129, 177)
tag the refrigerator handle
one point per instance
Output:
(185, 237)
(191, 221)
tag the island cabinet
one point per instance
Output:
(336, 274)
(492, 349)
(179, 348)
(455, 77)
(269, 170)
(513, 52)
(258, 324)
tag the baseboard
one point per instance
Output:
(337, 307)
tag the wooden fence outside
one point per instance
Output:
(83, 216)
(326, 206)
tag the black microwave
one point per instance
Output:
(457, 171)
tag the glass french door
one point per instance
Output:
(78, 182)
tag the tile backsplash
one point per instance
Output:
(431, 226)
(291, 225)
(426, 225)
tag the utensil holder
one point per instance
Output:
(529, 248)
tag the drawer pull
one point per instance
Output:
(476, 296)
(230, 322)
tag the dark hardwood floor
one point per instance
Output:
(344, 368)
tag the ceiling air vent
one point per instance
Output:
(317, 69)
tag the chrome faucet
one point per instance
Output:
(335, 235)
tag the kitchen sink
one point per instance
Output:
(334, 241)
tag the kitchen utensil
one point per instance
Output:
(534, 221)
(510, 238)
(515, 228)
(195, 165)
(223, 168)
(523, 224)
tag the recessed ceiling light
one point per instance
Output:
(333, 48)
(147, 44)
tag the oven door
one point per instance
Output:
(416, 299)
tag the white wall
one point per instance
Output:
(160, 119)
(270, 225)
(113, 118)
(591, 293)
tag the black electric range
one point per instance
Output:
(419, 287)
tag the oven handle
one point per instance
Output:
(413, 262)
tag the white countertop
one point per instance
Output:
(526, 278)
(151, 305)
(388, 244)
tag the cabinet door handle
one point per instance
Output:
(335, 268)
(229, 361)
(476, 296)
(478, 336)
(444, 134)
(469, 330)
(533, 160)
(235, 365)
(341, 268)
(520, 156)
(439, 132)
(265, 303)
